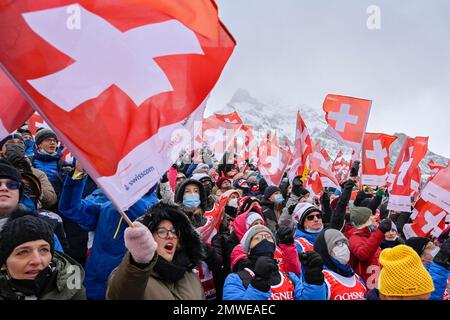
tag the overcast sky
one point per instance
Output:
(297, 51)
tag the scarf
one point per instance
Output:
(175, 270)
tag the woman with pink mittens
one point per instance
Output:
(163, 249)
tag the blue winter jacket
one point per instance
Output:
(311, 237)
(49, 164)
(439, 274)
(95, 214)
(233, 289)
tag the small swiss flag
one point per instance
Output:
(375, 158)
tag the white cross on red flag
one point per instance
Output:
(302, 148)
(123, 86)
(35, 122)
(428, 220)
(412, 153)
(218, 135)
(14, 110)
(230, 117)
(347, 119)
(273, 161)
(375, 158)
(321, 163)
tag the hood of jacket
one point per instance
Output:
(240, 225)
(182, 187)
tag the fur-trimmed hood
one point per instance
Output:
(180, 192)
(189, 237)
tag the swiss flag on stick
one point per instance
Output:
(35, 122)
(321, 163)
(230, 117)
(273, 162)
(302, 148)
(122, 105)
(375, 158)
(428, 220)
(219, 135)
(14, 110)
(213, 220)
(347, 119)
(413, 151)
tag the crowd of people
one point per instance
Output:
(62, 238)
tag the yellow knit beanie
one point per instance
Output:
(403, 274)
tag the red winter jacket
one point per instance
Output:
(365, 251)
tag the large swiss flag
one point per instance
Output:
(121, 82)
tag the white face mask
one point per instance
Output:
(341, 253)
(434, 252)
(233, 203)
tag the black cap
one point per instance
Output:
(270, 191)
(418, 244)
(23, 229)
(10, 137)
(9, 171)
(44, 134)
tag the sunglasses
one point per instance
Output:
(11, 185)
(312, 216)
(163, 233)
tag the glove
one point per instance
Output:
(443, 256)
(265, 267)
(355, 168)
(140, 243)
(312, 264)
(385, 225)
(285, 234)
(164, 178)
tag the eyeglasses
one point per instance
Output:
(262, 236)
(312, 216)
(11, 184)
(163, 233)
(49, 140)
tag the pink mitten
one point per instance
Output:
(139, 241)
